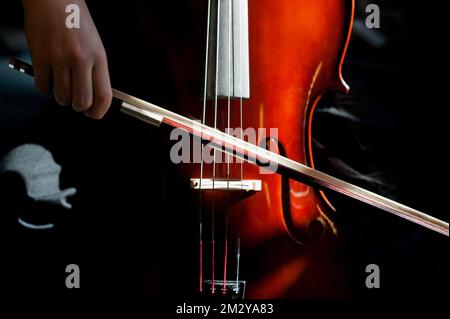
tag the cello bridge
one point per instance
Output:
(248, 185)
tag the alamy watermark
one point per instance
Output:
(73, 277)
(373, 19)
(373, 277)
(73, 17)
(190, 149)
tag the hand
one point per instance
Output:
(74, 58)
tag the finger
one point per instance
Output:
(82, 96)
(63, 87)
(102, 91)
(42, 77)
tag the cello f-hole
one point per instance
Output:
(315, 230)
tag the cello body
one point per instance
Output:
(284, 234)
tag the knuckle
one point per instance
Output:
(95, 113)
(62, 100)
(56, 53)
(101, 105)
(104, 99)
(100, 54)
(82, 104)
(63, 97)
(77, 56)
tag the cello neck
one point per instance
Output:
(227, 50)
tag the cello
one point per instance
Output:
(265, 65)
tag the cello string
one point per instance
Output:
(238, 261)
(225, 262)
(238, 253)
(202, 148)
(214, 151)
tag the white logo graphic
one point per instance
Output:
(73, 19)
(73, 277)
(373, 279)
(190, 150)
(373, 19)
